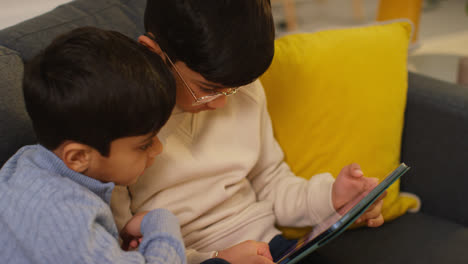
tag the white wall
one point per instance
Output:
(15, 11)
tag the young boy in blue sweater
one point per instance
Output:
(97, 100)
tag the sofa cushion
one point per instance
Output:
(30, 36)
(15, 126)
(26, 39)
(413, 238)
(435, 143)
(337, 97)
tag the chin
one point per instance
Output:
(197, 110)
(130, 182)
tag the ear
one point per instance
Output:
(151, 45)
(77, 156)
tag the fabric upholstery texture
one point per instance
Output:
(21, 42)
(30, 36)
(347, 105)
(15, 126)
(435, 145)
(413, 238)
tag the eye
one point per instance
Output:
(146, 146)
(206, 90)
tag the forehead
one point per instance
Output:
(133, 140)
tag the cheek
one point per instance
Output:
(132, 171)
(130, 167)
(184, 101)
(139, 164)
(217, 103)
(183, 97)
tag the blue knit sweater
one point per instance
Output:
(51, 214)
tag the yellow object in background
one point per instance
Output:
(394, 9)
(339, 96)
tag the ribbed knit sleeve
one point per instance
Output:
(162, 241)
(50, 218)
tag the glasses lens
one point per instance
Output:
(207, 99)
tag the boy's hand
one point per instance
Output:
(349, 184)
(131, 233)
(247, 252)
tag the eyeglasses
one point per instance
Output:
(204, 99)
(198, 100)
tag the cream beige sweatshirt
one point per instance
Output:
(222, 174)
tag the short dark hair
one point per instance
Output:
(230, 42)
(94, 86)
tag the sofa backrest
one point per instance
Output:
(15, 126)
(31, 36)
(22, 41)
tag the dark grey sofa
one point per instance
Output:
(435, 143)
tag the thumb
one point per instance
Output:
(371, 183)
(264, 250)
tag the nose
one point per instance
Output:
(218, 102)
(154, 151)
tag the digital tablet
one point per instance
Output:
(339, 221)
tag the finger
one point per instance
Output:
(380, 198)
(383, 195)
(371, 207)
(370, 183)
(133, 244)
(374, 212)
(264, 250)
(355, 170)
(258, 260)
(377, 205)
(376, 222)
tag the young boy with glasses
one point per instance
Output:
(223, 172)
(97, 100)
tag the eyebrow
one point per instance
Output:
(148, 139)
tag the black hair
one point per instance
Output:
(229, 42)
(94, 86)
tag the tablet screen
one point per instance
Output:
(339, 221)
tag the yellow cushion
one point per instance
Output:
(337, 97)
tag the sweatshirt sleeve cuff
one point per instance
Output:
(320, 203)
